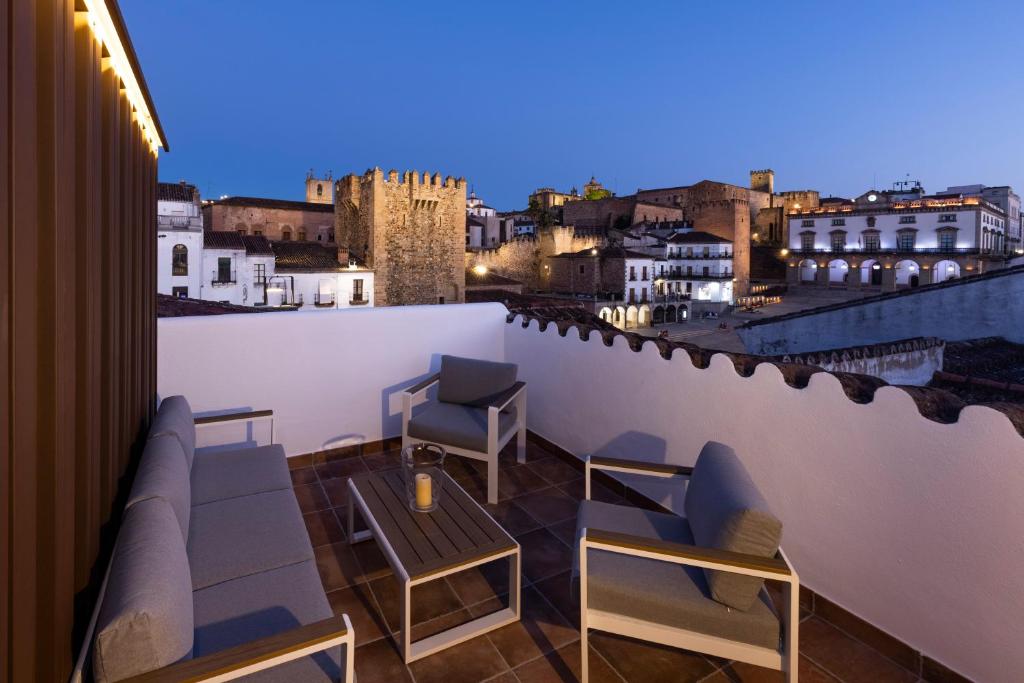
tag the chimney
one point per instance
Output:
(343, 256)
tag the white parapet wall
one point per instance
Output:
(914, 525)
(331, 377)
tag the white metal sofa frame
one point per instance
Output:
(775, 569)
(495, 440)
(247, 658)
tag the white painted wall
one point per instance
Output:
(328, 376)
(341, 284)
(916, 526)
(192, 239)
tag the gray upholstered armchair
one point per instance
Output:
(479, 408)
(695, 582)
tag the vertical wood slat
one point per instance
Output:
(77, 326)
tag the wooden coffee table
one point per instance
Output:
(424, 546)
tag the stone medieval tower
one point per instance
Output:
(319, 190)
(410, 230)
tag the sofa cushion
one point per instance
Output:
(175, 417)
(451, 424)
(219, 475)
(473, 382)
(240, 536)
(260, 605)
(163, 473)
(726, 511)
(146, 620)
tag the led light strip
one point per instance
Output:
(99, 20)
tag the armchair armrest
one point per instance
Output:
(681, 553)
(501, 401)
(232, 417)
(597, 462)
(421, 386)
(261, 654)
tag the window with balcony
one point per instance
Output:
(705, 271)
(179, 260)
(872, 242)
(838, 241)
(906, 240)
(947, 240)
(357, 292)
(632, 273)
(643, 273)
(224, 269)
(905, 220)
(807, 241)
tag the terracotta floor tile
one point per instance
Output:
(640, 662)
(738, 672)
(470, 662)
(534, 452)
(518, 481)
(303, 475)
(481, 583)
(565, 531)
(936, 672)
(372, 562)
(540, 629)
(358, 603)
(512, 517)
(380, 662)
(311, 497)
(543, 555)
(549, 506)
(902, 654)
(337, 491)
(323, 527)
(507, 677)
(576, 489)
(387, 460)
(563, 666)
(429, 600)
(425, 629)
(555, 470)
(460, 467)
(344, 467)
(559, 593)
(337, 566)
(846, 658)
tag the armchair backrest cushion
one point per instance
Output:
(146, 619)
(174, 416)
(472, 382)
(163, 473)
(726, 511)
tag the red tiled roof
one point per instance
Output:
(176, 307)
(265, 203)
(305, 256)
(175, 192)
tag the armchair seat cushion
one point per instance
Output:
(219, 475)
(237, 537)
(665, 593)
(265, 604)
(461, 426)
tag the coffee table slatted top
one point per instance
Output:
(457, 532)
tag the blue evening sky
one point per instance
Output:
(517, 95)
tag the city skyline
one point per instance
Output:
(514, 98)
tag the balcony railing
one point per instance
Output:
(697, 276)
(698, 257)
(891, 252)
(223, 277)
(360, 300)
(323, 300)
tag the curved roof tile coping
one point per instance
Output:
(935, 404)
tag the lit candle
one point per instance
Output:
(424, 494)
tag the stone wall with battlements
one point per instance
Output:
(411, 229)
(523, 258)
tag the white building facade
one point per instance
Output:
(895, 239)
(179, 222)
(236, 268)
(696, 276)
(312, 276)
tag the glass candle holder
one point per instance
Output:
(422, 466)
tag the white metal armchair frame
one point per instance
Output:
(784, 658)
(496, 440)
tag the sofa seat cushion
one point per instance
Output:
(163, 473)
(219, 475)
(174, 416)
(236, 537)
(473, 382)
(726, 511)
(146, 619)
(452, 424)
(664, 592)
(259, 605)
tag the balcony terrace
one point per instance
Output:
(897, 502)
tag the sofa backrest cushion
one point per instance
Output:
(163, 473)
(726, 511)
(175, 417)
(145, 621)
(473, 382)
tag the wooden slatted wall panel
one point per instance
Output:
(77, 326)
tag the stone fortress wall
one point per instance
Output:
(523, 258)
(410, 229)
